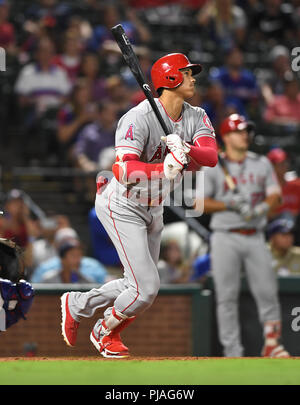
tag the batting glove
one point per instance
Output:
(234, 202)
(174, 142)
(258, 211)
(174, 163)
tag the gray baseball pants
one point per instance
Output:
(136, 234)
(230, 253)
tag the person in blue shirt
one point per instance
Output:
(111, 15)
(239, 84)
(89, 269)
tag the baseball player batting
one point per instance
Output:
(238, 219)
(130, 206)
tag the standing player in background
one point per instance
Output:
(130, 205)
(237, 242)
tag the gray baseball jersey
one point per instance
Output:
(255, 179)
(139, 132)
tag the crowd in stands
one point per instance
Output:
(66, 85)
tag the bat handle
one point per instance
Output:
(163, 138)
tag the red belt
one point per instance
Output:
(251, 231)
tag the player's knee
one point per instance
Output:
(148, 293)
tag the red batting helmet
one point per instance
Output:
(165, 72)
(235, 122)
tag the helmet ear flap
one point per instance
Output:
(174, 79)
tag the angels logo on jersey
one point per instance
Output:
(159, 154)
(129, 133)
(208, 124)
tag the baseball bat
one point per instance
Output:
(134, 65)
(229, 180)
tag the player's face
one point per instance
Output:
(238, 140)
(187, 87)
(282, 241)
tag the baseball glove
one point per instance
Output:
(11, 261)
(16, 294)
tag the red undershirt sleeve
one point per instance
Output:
(203, 153)
(133, 167)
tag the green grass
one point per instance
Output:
(151, 372)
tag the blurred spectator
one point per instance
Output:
(63, 234)
(81, 26)
(225, 23)
(280, 65)
(289, 183)
(41, 87)
(285, 109)
(53, 13)
(51, 230)
(42, 84)
(110, 16)
(239, 84)
(89, 10)
(90, 71)
(7, 30)
(42, 18)
(42, 248)
(88, 268)
(70, 254)
(170, 266)
(285, 256)
(272, 23)
(191, 244)
(15, 221)
(215, 105)
(180, 247)
(96, 136)
(74, 115)
(119, 93)
(70, 57)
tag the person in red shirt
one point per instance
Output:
(14, 223)
(290, 183)
(285, 109)
(71, 56)
(7, 31)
